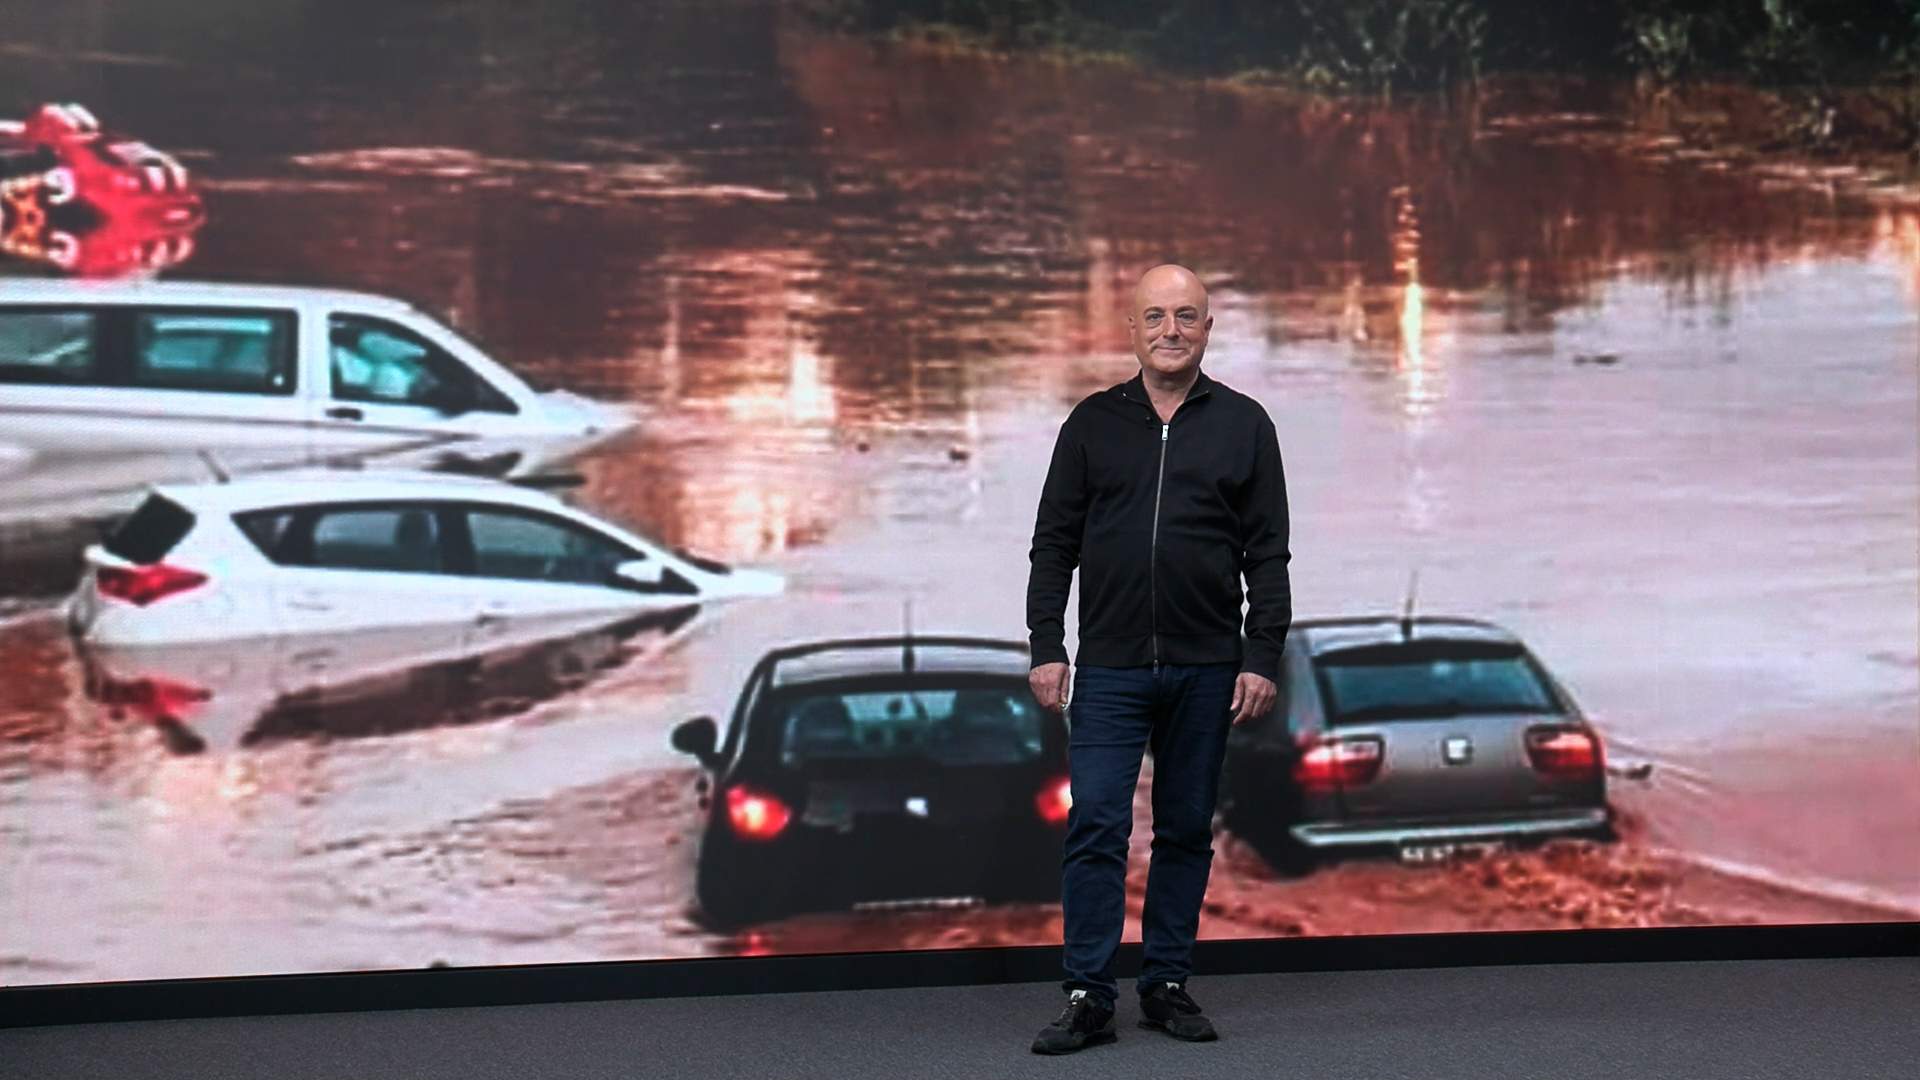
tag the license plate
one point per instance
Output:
(1423, 854)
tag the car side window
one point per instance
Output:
(531, 547)
(383, 363)
(226, 351)
(39, 345)
(404, 539)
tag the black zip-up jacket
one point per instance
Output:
(1163, 520)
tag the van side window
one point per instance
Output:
(382, 363)
(241, 352)
(39, 345)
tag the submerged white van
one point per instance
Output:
(171, 366)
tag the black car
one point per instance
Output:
(1411, 734)
(880, 769)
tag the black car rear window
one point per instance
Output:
(151, 531)
(984, 725)
(1423, 680)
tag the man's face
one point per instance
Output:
(1169, 322)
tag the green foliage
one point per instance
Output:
(1390, 46)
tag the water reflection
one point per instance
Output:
(347, 685)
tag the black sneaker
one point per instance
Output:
(1087, 1020)
(1166, 1006)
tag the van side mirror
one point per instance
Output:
(700, 737)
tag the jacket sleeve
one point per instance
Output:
(1264, 556)
(1057, 530)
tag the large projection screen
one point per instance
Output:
(414, 418)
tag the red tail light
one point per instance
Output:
(1054, 801)
(155, 699)
(756, 815)
(142, 585)
(1332, 762)
(1564, 752)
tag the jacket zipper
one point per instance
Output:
(1153, 552)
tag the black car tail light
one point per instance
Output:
(755, 814)
(1571, 753)
(1330, 762)
(1054, 801)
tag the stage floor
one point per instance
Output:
(1749, 1019)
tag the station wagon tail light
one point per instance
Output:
(1328, 763)
(1054, 801)
(1564, 752)
(756, 815)
(143, 585)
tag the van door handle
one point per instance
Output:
(346, 412)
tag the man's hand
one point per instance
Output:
(1049, 683)
(1252, 696)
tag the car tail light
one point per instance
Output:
(1054, 801)
(1331, 762)
(143, 585)
(1564, 752)
(756, 815)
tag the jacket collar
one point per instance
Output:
(1135, 389)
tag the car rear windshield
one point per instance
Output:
(151, 531)
(974, 726)
(1425, 679)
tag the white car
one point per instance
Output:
(461, 564)
(96, 367)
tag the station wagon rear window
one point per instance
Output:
(39, 345)
(151, 531)
(232, 351)
(982, 726)
(1429, 680)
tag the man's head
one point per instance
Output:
(1169, 320)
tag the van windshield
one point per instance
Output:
(1426, 680)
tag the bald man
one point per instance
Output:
(1165, 491)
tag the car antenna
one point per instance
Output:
(1406, 611)
(906, 640)
(220, 474)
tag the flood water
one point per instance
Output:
(1656, 412)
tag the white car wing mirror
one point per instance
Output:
(642, 572)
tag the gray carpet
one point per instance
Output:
(1748, 1019)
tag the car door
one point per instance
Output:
(539, 575)
(364, 585)
(150, 379)
(213, 377)
(388, 384)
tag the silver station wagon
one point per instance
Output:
(1411, 734)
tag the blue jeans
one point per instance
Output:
(1182, 712)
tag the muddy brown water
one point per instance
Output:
(1656, 413)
